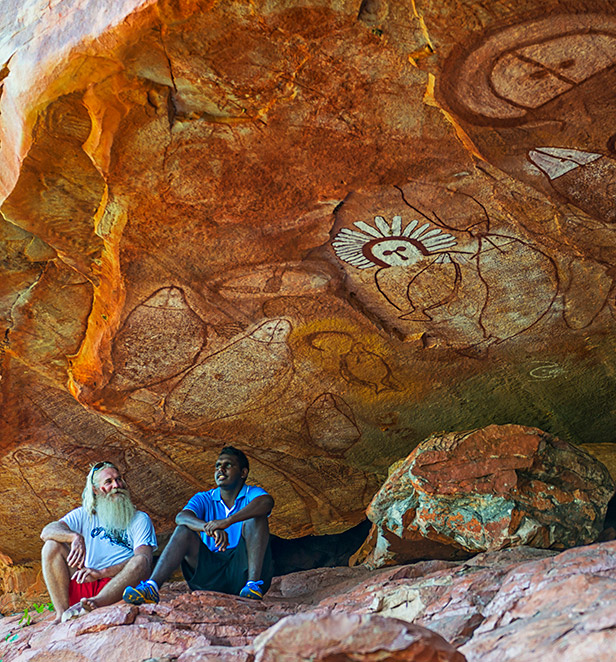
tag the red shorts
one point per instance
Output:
(86, 590)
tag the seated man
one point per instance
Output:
(94, 552)
(232, 554)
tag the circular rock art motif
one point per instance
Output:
(525, 66)
(386, 245)
(474, 289)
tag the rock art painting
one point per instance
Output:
(362, 367)
(274, 290)
(515, 71)
(471, 288)
(585, 179)
(578, 273)
(544, 86)
(387, 246)
(545, 370)
(160, 338)
(269, 280)
(331, 424)
(536, 100)
(357, 364)
(249, 373)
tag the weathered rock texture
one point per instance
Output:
(518, 605)
(362, 638)
(319, 229)
(485, 490)
(21, 585)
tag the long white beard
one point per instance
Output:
(115, 510)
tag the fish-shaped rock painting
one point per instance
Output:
(586, 179)
(247, 374)
(270, 280)
(521, 284)
(159, 339)
(331, 424)
(362, 367)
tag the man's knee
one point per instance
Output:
(139, 564)
(184, 536)
(256, 525)
(52, 549)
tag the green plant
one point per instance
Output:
(26, 618)
(40, 608)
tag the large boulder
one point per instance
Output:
(363, 638)
(484, 490)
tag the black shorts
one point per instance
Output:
(225, 572)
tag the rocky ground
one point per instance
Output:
(320, 230)
(519, 604)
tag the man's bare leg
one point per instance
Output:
(182, 546)
(256, 534)
(137, 568)
(56, 574)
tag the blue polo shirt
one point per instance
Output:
(209, 505)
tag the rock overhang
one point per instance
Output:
(293, 228)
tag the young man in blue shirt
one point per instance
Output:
(222, 538)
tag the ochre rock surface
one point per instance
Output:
(321, 230)
(21, 585)
(514, 605)
(337, 636)
(484, 490)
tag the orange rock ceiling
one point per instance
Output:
(318, 230)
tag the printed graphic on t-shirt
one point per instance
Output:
(112, 536)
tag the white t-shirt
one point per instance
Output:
(102, 548)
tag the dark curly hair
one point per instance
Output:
(242, 459)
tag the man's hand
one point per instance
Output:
(221, 539)
(214, 525)
(216, 529)
(87, 575)
(77, 553)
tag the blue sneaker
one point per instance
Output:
(143, 593)
(252, 590)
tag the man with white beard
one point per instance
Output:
(94, 552)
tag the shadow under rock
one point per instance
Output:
(292, 555)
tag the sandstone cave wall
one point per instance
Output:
(320, 230)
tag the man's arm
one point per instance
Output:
(89, 574)
(260, 506)
(60, 532)
(189, 519)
